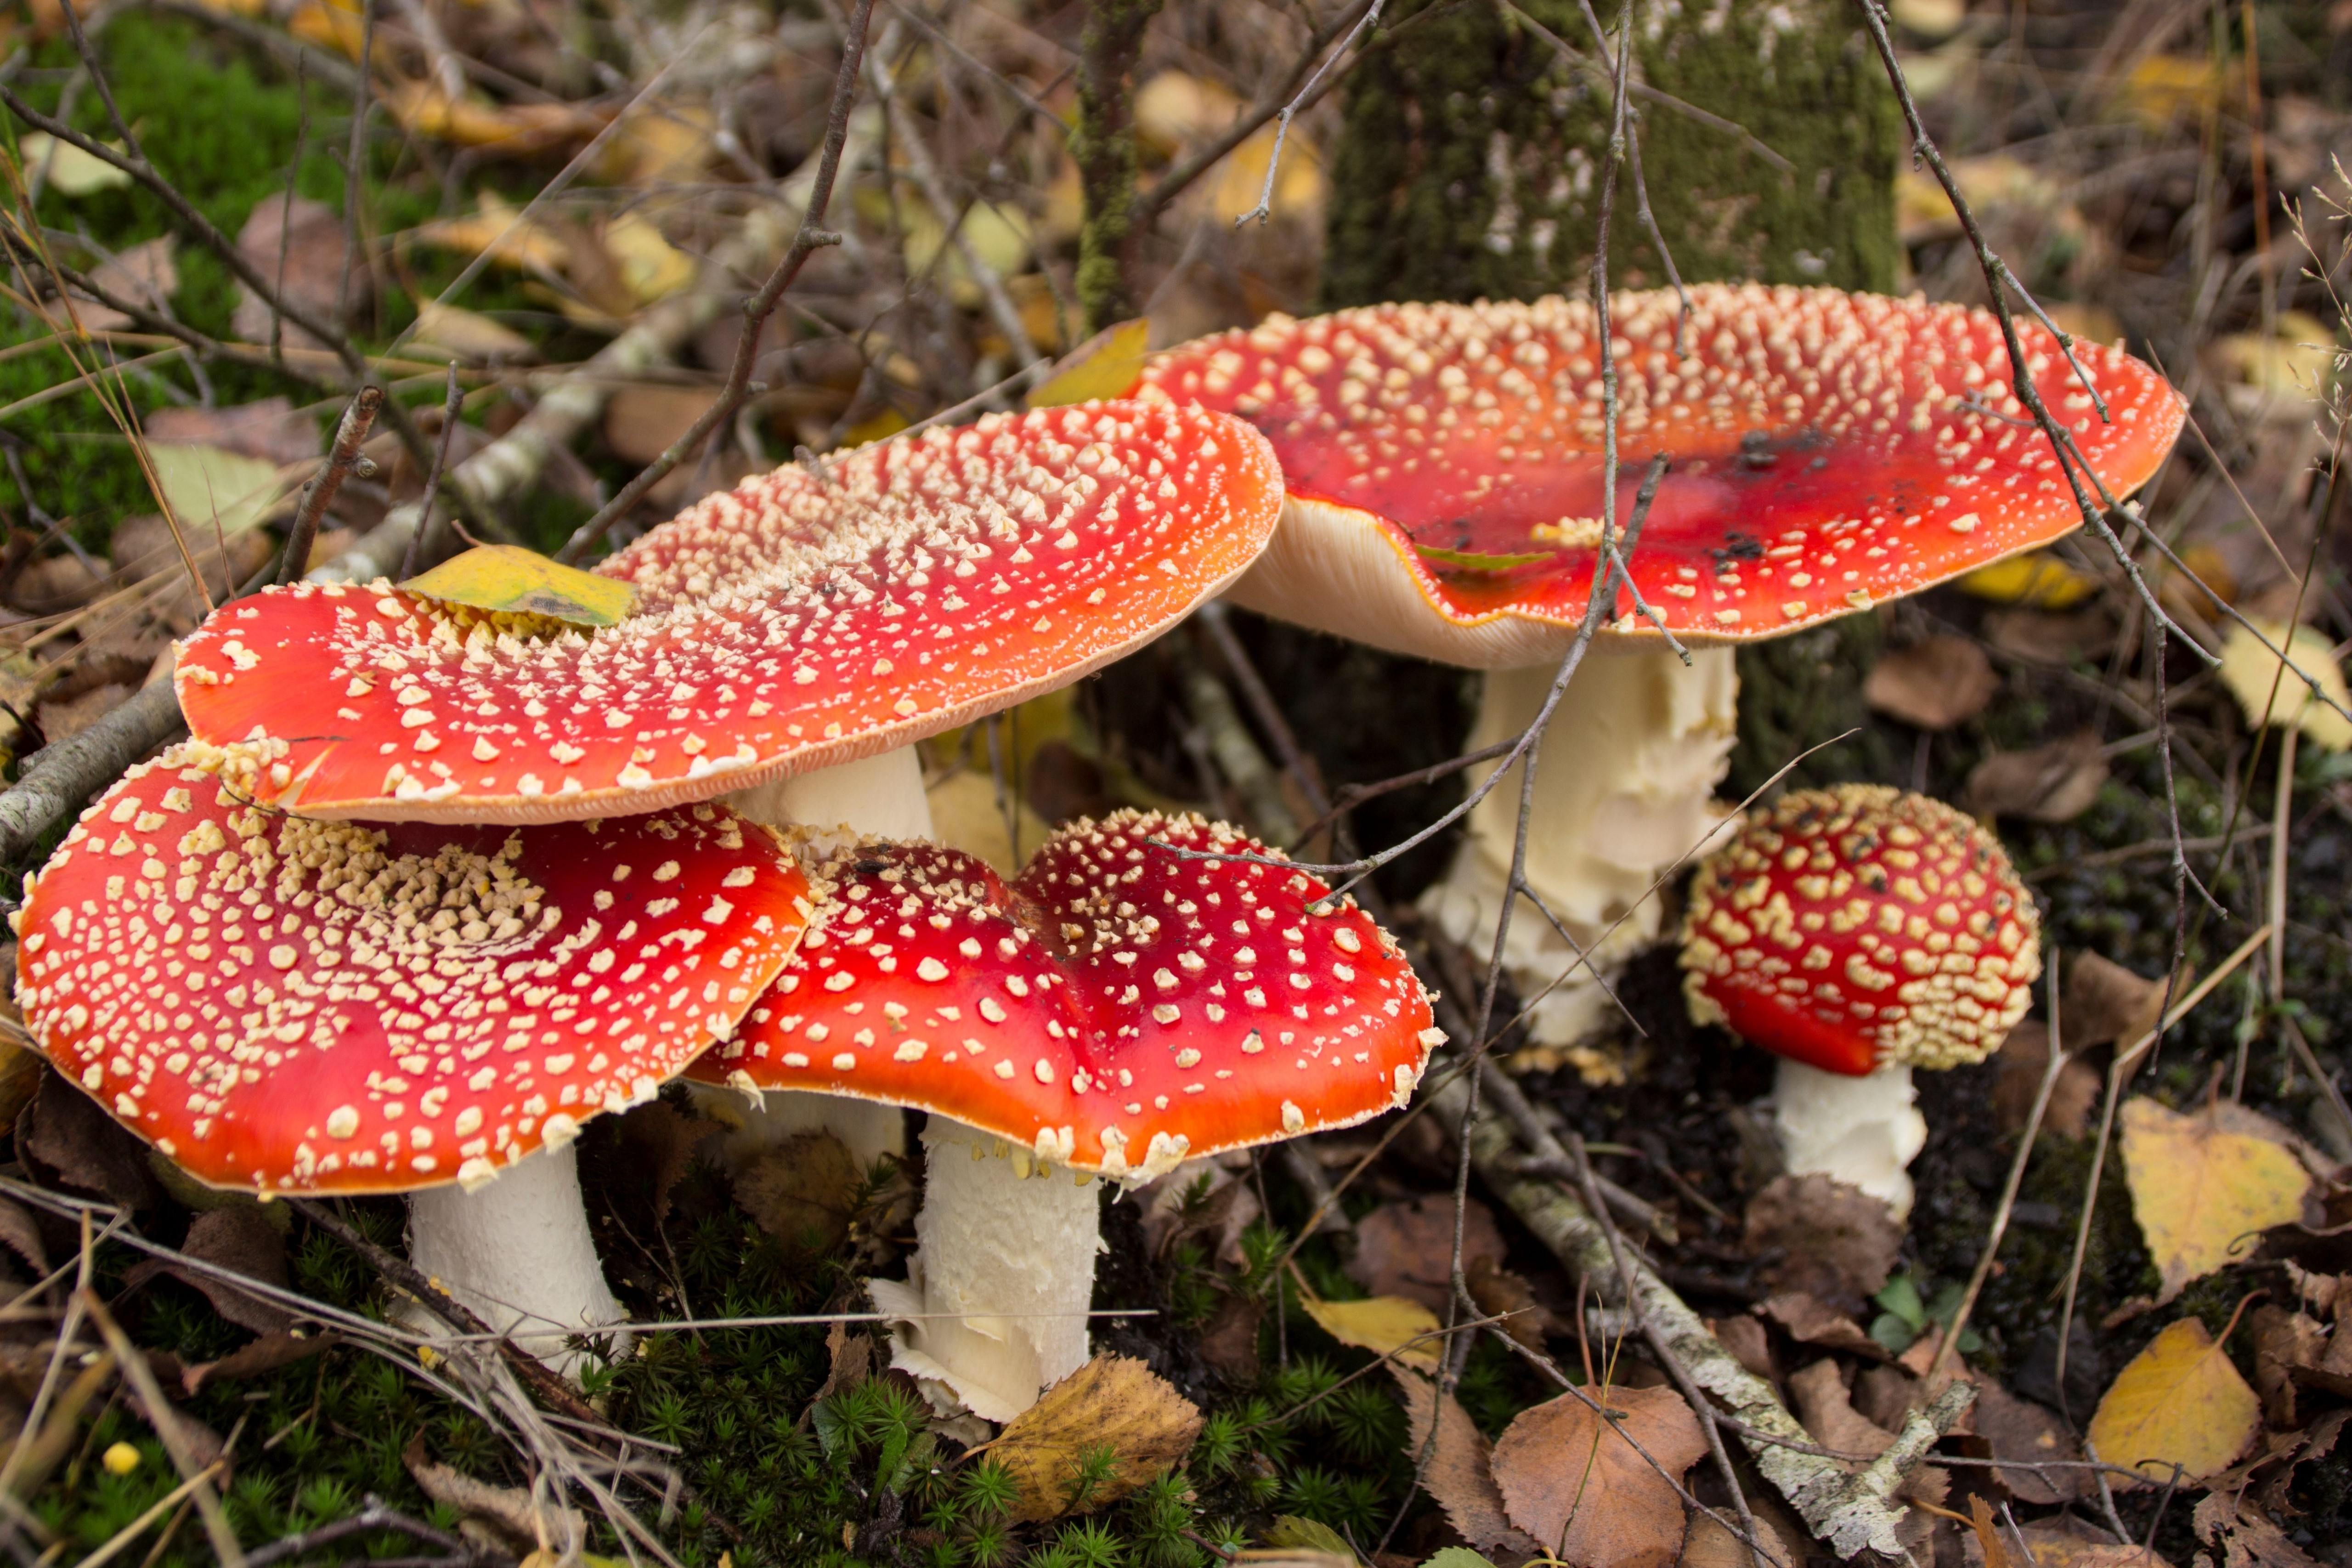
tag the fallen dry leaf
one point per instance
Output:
(2270, 693)
(1505, 1295)
(2046, 638)
(1570, 1479)
(311, 274)
(70, 171)
(269, 428)
(803, 1192)
(1460, 1474)
(2199, 1191)
(2284, 1343)
(1380, 1324)
(1837, 1241)
(2055, 783)
(453, 331)
(2024, 1056)
(1811, 1321)
(2180, 1401)
(145, 275)
(1407, 1249)
(1934, 684)
(2036, 578)
(237, 1237)
(2023, 1432)
(1710, 1543)
(511, 1511)
(641, 423)
(1112, 1401)
(67, 1140)
(2245, 1538)
(2104, 1002)
(2064, 1543)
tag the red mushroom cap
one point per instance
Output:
(1445, 467)
(1116, 1009)
(799, 622)
(1861, 926)
(320, 1006)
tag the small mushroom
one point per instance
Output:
(1856, 933)
(301, 1008)
(1829, 452)
(791, 640)
(1116, 1009)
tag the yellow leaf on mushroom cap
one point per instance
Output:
(2251, 671)
(506, 577)
(2180, 1402)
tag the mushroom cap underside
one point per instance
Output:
(1827, 451)
(800, 621)
(301, 1006)
(1117, 1008)
(1859, 927)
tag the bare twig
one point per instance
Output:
(1306, 95)
(453, 403)
(351, 432)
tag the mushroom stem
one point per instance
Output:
(1624, 787)
(1860, 1129)
(880, 796)
(517, 1250)
(1006, 1244)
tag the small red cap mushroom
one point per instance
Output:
(296, 1005)
(1862, 927)
(1118, 1009)
(801, 621)
(1829, 451)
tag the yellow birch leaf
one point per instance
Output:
(526, 246)
(71, 171)
(2251, 671)
(1381, 1324)
(2180, 1402)
(651, 267)
(209, 484)
(2201, 1193)
(518, 582)
(2036, 578)
(1112, 1401)
(1107, 365)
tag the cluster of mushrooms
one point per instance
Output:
(431, 886)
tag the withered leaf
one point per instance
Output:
(1711, 1544)
(2024, 1056)
(269, 428)
(1112, 1401)
(2055, 783)
(2027, 1433)
(2200, 1191)
(302, 251)
(1818, 1395)
(1813, 1321)
(2180, 1401)
(1934, 684)
(236, 1238)
(1571, 1478)
(1407, 1249)
(22, 1235)
(802, 1191)
(2245, 1538)
(2285, 1342)
(511, 1511)
(66, 1141)
(258, 1358)
(2105, 1001)
(1381, 1324)
(1836, 1241)
(1460, 1474)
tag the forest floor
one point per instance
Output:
(2137, 164)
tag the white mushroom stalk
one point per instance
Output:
(1625, 780)
(517, 1251)
(994, 1306)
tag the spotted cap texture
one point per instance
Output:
(1829, 451)
(1861, 926)
(1116, 1009)
(798, 622)
(309, 1006)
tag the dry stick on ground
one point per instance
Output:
(351, 432)
(807, 241)
(1843, 1510)
(453, 403)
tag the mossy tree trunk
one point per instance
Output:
(1106, 153)
(1472, 153)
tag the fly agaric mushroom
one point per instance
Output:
(791, 641)
(1829, 452)
(301, 1008)
(1116, 1009)
(1858, 933)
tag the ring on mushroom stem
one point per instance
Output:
(1855, 934)
(298, 1007)
(792, 639)
(1829, 452)
(1114, 1010)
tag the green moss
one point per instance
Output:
(1798, 692)
(1469, 164)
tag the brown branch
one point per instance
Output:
(1106, 150)
(807, 241)
(320, 493)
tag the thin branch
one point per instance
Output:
(320, 493)
(1306, 95)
